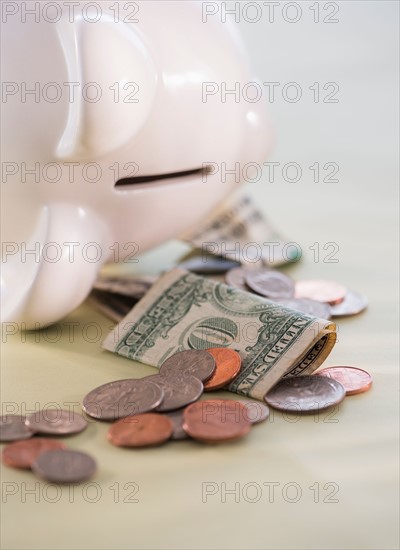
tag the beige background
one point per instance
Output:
(355, 449)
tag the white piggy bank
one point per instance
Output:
(110, 117)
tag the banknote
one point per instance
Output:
(239, 231)
(185, 311)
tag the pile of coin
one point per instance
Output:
(161, 407)
(48, 458)
(153, 409)
(323, 299)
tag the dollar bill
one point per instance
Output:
(186, 311)
(239, 231)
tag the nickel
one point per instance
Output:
(270, 283)
(352, 304)
(196, 363)
(13, 428)
(305, 393)
(56, 422)
(64, 466)
(122, 398)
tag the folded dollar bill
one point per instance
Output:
(185, 311)
(239, 231)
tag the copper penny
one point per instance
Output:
(216, 420)
(328, 292)
(22, 454)
(228, 363)
(141, 430)
(352, 379)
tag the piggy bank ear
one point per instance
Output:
(118, 82)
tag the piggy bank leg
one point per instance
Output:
(47, 276)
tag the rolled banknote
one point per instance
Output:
(186, 311)
(239, 231)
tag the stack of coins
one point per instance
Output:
(323, 299)
(47, 458)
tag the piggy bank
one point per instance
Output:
(118, 119)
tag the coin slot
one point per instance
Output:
(135, 180)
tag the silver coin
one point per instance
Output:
(122, 398)
(178, 391)
(13, 428)
(310, 307)
(305, 393)
(56, 422)
(208, 265)
(352, 304)
(255, 411)
(270, 283)
(64, 466)
(177, 420)
(237, 278)
(196, 363)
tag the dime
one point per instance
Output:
(228, 363)
(196, 363)
(178, 391)
(270, 283)
(352, 304)
(328, 292)
(176, 418)
(56, 422)
(142, 430)
(216, 420)
(311, 307)
(64, 466)
(352, 379)
(237, 278)
(13, 428)
(122, 398)
(22, 454)
(207, 265)
(256, 411)
(305, 393)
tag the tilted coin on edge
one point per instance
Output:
(183, 311)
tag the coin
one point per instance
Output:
(310, 307)
(64, 466)
(122, 398)
(328, 292)
(353, 380)
(13, 428)
(228, 363)
(237, 278)
(305, 393)
(207, 265)
(141, 430)
(176, 418)
(22, 454)
(56, 422)
(270, 283)
(194, 362)
(256, 411)
(178, 391)
(352, 304)
(216, 420)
